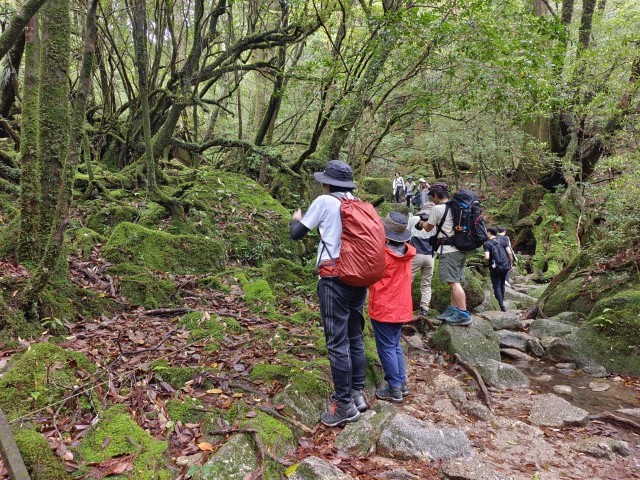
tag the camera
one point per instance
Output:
(423, 218)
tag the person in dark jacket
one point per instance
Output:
(391, 306)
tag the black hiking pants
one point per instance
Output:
(341, 307)
(497, 280)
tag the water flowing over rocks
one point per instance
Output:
(552, 411)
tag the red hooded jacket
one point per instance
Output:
(390, 298)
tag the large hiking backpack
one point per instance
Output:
(362, 253)
(498, 257)
(469, 231)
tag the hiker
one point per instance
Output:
(423, 261)
(452, 260)
(422, 194)
(341, 305)
(390, 306)
(398, 187)
(499, 256)
(502, 233)
(410, 190)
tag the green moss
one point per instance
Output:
(83, 240)
(41, 376)
(277, 438)
(522, 203)
(202, 327)
(125, 438)
(260, 298)
(305, 317)
(285, 277)
(40, 461)
(175, 376)
(185, 411)
(142, 287)
(13, 323)
(441, 293)
(152, 214)
(182, 254)
(106, 218)
(379, 186)
(268, 371)
(214, 283)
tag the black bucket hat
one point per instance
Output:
(395, 227)
(336, 173)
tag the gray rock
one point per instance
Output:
(522, 300)
(544, 327)
(359, 438)
(534, 345)
(567, 371)
(571, 318)
(597, 371)
(475, 343)
(471, 408)
(235, 459)
(397, 474)
(469, 469)
(602, 447)
(600, 386)
(546, 342)
(457, 395)
(566, 366)
(314, 468)
(517, 340)
(632, 412)
(564, 350)
(415, 341)
(563, 389)
(502, 375)
(302, 407)
(552, 411)
(486, 303)
(516, 354)
(502, 320)
(406, 437)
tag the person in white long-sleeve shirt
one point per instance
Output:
(398, 187)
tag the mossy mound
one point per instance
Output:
(175, 376)
(41, 376)
(555, 235)
(276, 437)
(125, 437)
(204, 327)
(379, 186)
(40, 461)
(237, 211)
(83, 240)
(611, 334)
(441, 293)
(286, 278)
(104, 219)
(520, 205)
(476, 343)
(141, 286)
(182, 254)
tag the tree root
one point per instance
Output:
(617, 421)
(471, 370)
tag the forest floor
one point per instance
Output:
(124, 345)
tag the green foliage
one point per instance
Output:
(379, 186)
(42, 376)
(130, 243)
(202, 326)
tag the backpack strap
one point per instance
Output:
(439, 227)
(324, 245)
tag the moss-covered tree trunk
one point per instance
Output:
(30, 194)
(54, 242)
(54, 104)
(17, 24)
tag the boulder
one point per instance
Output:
(469, 469)
(515, 354)
(534, 345)
(543, 327)
(517, 340)
(406, 437)
(314, 468)
(471, 408)
(597, 371)
(571, 318)
(602, 447)
(522, 300)
(552, 411)
(502, 375)
(564, 350)
(359, 438)
(475, 343)
(502, 320)
(303, 398)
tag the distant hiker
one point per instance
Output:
(423, 261)
(421, 196)
(398, 187)
(390, 306)
(502, 233)
(341, 304)
(410, 190)
(499, 256)
(452, 260)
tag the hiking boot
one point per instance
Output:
(359, 400)
(503, 308)
(423, 312)
(448, 313)
(461, 317)
(339, 413)
(389, 393)
(405, 390)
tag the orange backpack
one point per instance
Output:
(362, 254)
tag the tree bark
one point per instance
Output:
(17, 24)
(30, 189)
(9, 84)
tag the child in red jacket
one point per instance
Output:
(390, 306)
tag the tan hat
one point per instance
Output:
(422, 180)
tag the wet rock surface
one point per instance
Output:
(552, 411)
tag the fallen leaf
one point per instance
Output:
(238, 395)
(205, 446)
(214, 391)
(251, 414)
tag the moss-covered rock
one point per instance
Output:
(276, 437)
(83, 240)
(125, 437)
(142, 287)
(189, 410)
(130, 243)
(41, 376)
(235, 459)
(441, 293)
(304, 396)
(204, 327)
(286, 278)
(476, 343)
(240, 213)
(502, 375)
(520, 205)
(106, 218)
(379, 186)
(40, 461)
